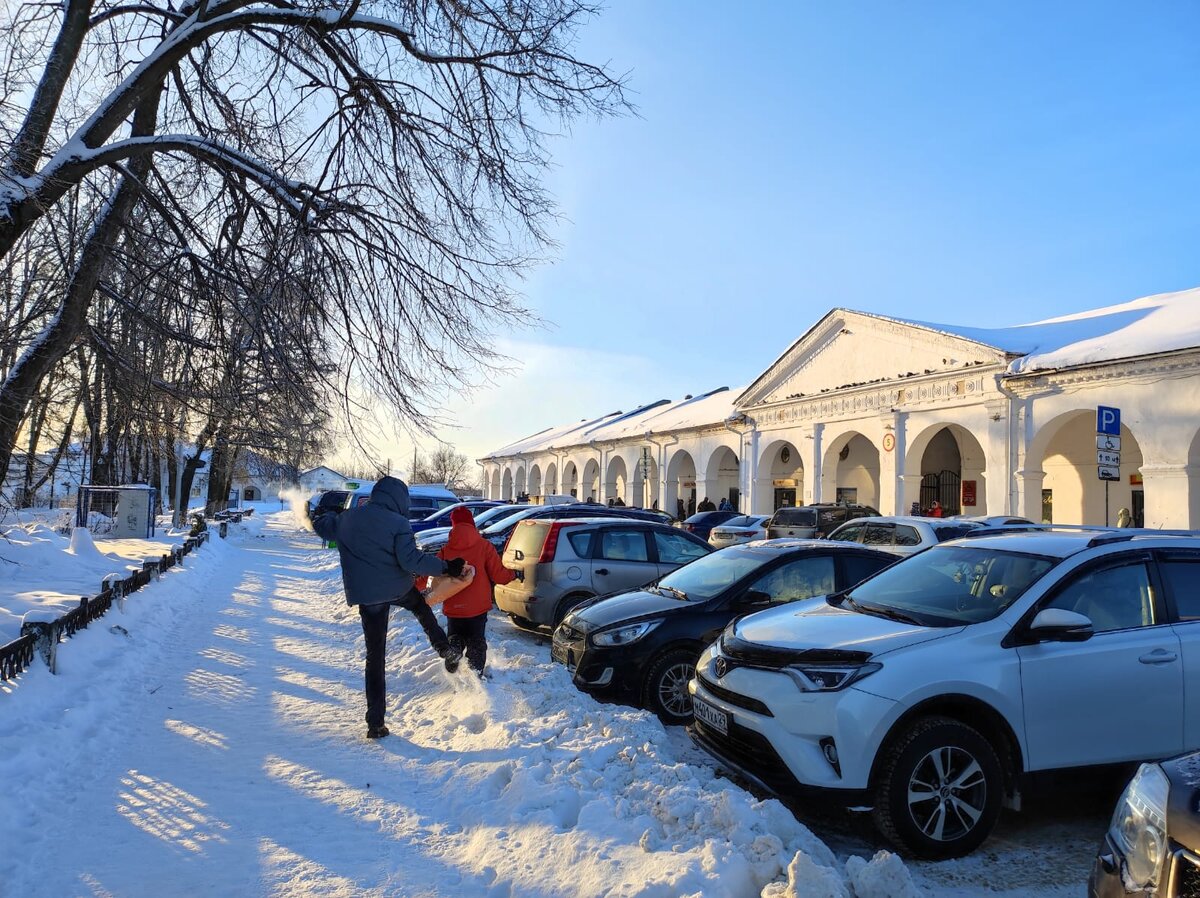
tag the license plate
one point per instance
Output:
(713, 717)
(561, 654)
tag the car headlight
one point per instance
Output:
(829, 677)
(624, 635)
(1139, 825)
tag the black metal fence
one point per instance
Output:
(946, 488)
(43, 637)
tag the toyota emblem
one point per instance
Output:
(722, 668)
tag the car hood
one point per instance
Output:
(624, 606)
(816, 625)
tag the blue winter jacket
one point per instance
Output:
(380, 558)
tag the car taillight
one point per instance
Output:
(551, 543)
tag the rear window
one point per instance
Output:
(907, 536)
(944, 532)
(527, 538)
(796, 517)
(333, 499)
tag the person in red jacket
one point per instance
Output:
(467, 610)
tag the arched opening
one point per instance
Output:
(681, 485)
(570, 480)
(535, 480)
(250, 494)
(781, 478)
(506, 489)
(616, 480)
(494, 490)
(850, 471)
(551, 486)
(645, 482)
(723, 478)
(591, 481)
(519, 483)
(1071, 491)
(947, 465)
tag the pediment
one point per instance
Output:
(847, 349)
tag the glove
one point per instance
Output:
(454, 567)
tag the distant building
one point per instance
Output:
(896, 413)
(320, 479)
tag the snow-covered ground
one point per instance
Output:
(209, 741)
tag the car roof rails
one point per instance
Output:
(1126, 534)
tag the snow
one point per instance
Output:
(209, 741)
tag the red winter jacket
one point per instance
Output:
(466, 543)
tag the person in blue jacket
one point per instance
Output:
(380, 562)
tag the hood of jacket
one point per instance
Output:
(391, 493)
(463, 536)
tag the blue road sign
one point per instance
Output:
(1108, 420)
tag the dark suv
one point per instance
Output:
(813, 521)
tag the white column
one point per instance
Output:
(998, 462)
(811, 453)
(1168, 496)
(891, 464)
(1029, 494)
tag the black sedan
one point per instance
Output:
(640, 647)
(1152, 847)
(703, 522)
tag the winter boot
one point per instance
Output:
(377, 732)
(451, 654)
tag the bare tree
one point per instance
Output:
(444, 465)
(402, 139)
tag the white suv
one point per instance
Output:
(930, 689)
(903, 534)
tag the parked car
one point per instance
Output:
(498, 533)
(992, 520)
(1152, 848)
(434, 538)
(563, 562)
(930, 690)
(442, 518)
(640, 646)
(742, 529)
(813, 521)
(902, 534)
(330, 500)
(703, 522)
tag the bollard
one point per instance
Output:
(224, 529)
(84, 603)
(168, 561)
(46, 634)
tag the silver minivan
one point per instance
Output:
(567, 561)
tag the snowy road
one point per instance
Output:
(216, 748)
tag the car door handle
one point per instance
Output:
(1159, 656)
(601, 570)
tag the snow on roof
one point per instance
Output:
(1161, 323)
(703, 410)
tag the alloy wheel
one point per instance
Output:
(947, 793)
(673, 689)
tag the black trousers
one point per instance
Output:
(467, 633)
(375, 626)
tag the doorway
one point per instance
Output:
(785, 498)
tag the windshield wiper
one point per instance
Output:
(889, 613)
(677, 593)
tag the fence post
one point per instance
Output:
(46, 634)
(151, 568)
(224, 529)
(114, 583)
(84, 601)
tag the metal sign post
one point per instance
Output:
(1108, 448)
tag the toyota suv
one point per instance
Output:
(929, 691)
(564, 562)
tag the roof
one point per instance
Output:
(322, 468)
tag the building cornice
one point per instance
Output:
(1031, 383)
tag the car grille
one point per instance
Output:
(1185, 877)
(751, 752)
(734, 698)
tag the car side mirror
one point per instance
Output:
(1060, 625)
(754, 598)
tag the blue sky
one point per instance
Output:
(969, 163)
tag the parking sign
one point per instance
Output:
(1108, 420)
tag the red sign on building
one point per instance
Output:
(968, 493)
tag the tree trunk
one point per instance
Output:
(24, 379)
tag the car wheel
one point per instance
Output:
(939, 789)
(665, 691)
(566, 604)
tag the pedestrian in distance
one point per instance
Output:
(380, 563)
(681, 510)
(618, 502)
(724, 506)
(467, 610)
(691, 506)
(936, 511)
(706, 505)
(1124, 518)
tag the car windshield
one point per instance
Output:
(712, 574)
(489, 516)
(803, 517)
(502, 525)
(744, 520)
(948, 586)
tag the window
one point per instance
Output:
(1182, 576)
(795, 517)
(828, 518)
(907, 536)
(623, 545)
(581, 542)
(851, 533)
(944, 532)
(1112, 598)
(799, 579)
(878, 535)
(857, 568)
(674, 548)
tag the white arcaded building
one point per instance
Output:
(893, 413)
